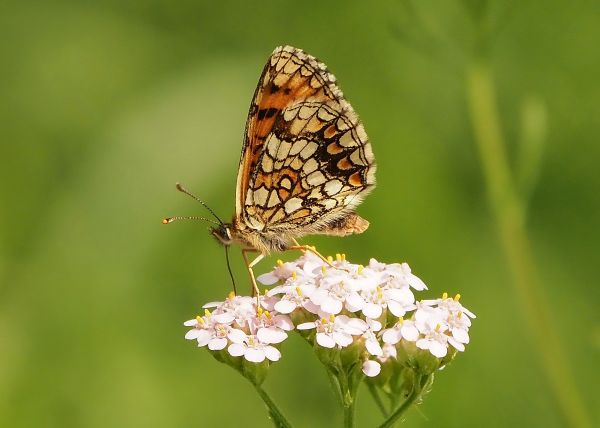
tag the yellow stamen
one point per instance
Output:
(438, 328)
(457, 297)
(323, 269)
(299, 291)
(259, 311)
(279, 263)
(379, 292)
(231, 295)
(400, 320)
(324, 321)
(207, 312)
(360, 269)
(294, 275)
(338, 257)
(268, 314)
(199, 320)
(331, 318)
(459, 314)
(444, 296)
(343, 257)
(330, 259)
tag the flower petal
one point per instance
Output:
(285, 306)
(371, 368)
(216, 344)
(236, 349)
(342, 339)
(373, 347)
(254, 355)
(193, 334)
(224, 318)
(372, 310)
(409, 331)
(204, 337)
(236, 335)
(306, 326)
(271, 335)
(331, 305)
(325, 340)
(272, 353)
(392, 336)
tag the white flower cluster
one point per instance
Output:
(344, 303)
(241, 326)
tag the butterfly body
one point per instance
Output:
(268, 241)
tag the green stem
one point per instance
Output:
(414, 395)
(349, 412)
(377, 399)
(509, 210)
(276, 416)
(337, 388)
(348, 400)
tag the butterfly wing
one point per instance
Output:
(306, 160)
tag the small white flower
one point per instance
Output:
(403, 329)
(310, 263)
(433, 334)
(293, 294)
(370, 336)
(334, 330)
(398, 275)
(271, 328)
(336, 288)
(281, 272)
(371, 368)
(235, 308)
(208, 332)
(252, 349)
(389, 351)
(397, 300)
(451, 305)
(455, 316)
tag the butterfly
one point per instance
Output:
(306, 160)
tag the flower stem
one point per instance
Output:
(377, 399)
(276, 416)
(509, 211)
(414, 395)
(349, 412)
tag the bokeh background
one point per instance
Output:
(105, 105)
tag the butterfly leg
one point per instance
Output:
(250, 265)
(313, 250)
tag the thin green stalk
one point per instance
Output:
(276, 416)
(348, 400)
(349, 412)
(414, 395)
(508, 210)
(377, 399)
(337, 388)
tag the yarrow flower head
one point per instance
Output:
(363, 321)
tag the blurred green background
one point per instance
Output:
(105, 105)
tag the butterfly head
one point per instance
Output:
(222, 233)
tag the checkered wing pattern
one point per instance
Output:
(306, 160)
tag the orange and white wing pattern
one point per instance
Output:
(306, 160)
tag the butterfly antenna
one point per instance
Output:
(187, 192)
(192, 217)
(229, 269)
